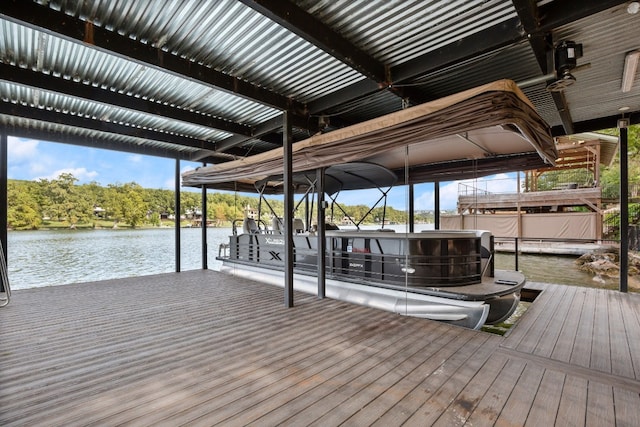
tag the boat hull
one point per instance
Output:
(445, 276)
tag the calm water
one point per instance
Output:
(49, 258)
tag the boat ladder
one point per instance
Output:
(5, 290)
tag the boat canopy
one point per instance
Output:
(485, 130)
(347, 176)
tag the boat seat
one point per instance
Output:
(249, 226)
(298, 225)
(277, 226)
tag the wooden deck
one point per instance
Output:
(201, 348)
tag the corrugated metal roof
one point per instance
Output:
(107, 113)
(80, 133)
(252, 58)
(73, 61)
(227, 36)
(395, 32)
(606, 38)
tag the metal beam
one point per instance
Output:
(609, 122)
(542, 46)
(265, 128)
(558, 13)
(87, 141)
(489, 40)
(48, 82)
(44, 18)
(316, 32)
(102, 126)
(307, 26)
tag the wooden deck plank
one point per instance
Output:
(600, 409)
(601, 343)
(519, 403)
(573, 402)
(548, 315)
(159, 359)
(245, 387)
(581, 354)
(621, 362)
(428, 380)
(626, 403)
(544, 409)
(300, 399)
(406, 391)
(494, 400)
(370, 402)
(535, 313)
(200, 347)
(566, 340)
(446, 393)
(465, 403)
(277, 359)
(628, 305)
(549, 339)
(324, 399)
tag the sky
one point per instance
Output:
(30, 159)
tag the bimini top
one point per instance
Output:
(492, 128)
(346, 176)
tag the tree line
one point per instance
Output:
(38, 204)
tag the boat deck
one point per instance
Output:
(202, 348)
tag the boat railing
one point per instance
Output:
(449, 259)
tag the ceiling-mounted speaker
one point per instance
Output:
(566, 54)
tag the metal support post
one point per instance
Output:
(624, 206)
(288, 209)
(177, 214)
(322, 241)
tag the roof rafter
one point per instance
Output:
(43, 17)
(488, 40)
(102, 126)
(32, 78)
(558, 13)
(47, 135)
(308, 27)
(305, 25)
(542, 47)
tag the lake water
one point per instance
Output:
(50, 258)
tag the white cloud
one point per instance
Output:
(82, 174)
(135, 158)
(19, 149)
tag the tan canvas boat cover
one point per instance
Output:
(489, 121)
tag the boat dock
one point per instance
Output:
(202, 348)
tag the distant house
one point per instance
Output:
(98, 212)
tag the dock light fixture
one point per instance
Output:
(630, 69)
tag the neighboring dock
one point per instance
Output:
(202, 348)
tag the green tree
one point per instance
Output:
(23, 209)
(64, 201)
(125, 203)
